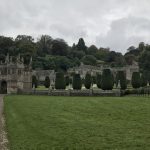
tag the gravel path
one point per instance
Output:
(3, 136)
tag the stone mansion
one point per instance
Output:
(15, 76)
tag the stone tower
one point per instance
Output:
(15, 76)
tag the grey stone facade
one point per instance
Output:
(83, 69)
(15, 76)
(41, 74)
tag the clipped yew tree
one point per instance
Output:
(77, 82)
(60, 81)
(143, 80)
(98, 80)
(136, 80)
(107, 80)
(121, 76)
(67, 79)
(47, 82)
(34, 81)
(88, 81)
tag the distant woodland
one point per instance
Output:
(56, 54)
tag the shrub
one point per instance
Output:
(77, 83)
(98, 80)
(88, 81)
(127, 92)
(143, 80)
(107, 81)
(136, 81)
(34, 81)
(60, 81)
(47, 82)
(122, 78)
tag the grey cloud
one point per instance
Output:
(126, 32)
(111, 23)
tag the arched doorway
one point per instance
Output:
(3, 89)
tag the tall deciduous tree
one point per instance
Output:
(81, 45)
(59, 47)
(92, 50)
(144, 60)
(89, 60)
(44, 45)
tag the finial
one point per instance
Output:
(18, 58)
(31, 60)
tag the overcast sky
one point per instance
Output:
(117, 24)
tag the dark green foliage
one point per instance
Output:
(81, 45)
(93, 79)
(122, 78)
(34, 81)
(148, 77)
(88, 81)
(141, 46)
(55, 54)
(107, 81)
(67, 79)
(144, 60)
(98, 80)
(136, 80)
(144, 79)
(60, 81)
(89, 60)
(115, 59)
(77, 83)
(44, 45)
(92, 50)
(47, 82)
(59, 47)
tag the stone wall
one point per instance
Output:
(113, 93)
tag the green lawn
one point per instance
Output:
(77, 123)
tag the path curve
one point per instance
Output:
(3, 136)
